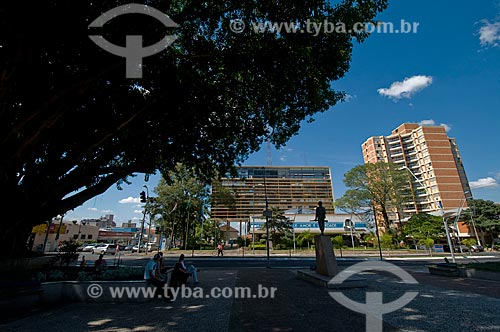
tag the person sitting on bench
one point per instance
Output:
(190, 269)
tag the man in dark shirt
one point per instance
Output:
(320, 216)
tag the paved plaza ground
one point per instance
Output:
(443, 304)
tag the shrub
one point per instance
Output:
(83, 276)
(122, 273)
(258, 246)
(55, 275)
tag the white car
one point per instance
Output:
(88, 248)
(104, 249)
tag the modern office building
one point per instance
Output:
(438, 175)
(296, 188)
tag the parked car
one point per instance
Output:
(151, 247)
(477, 248)
(456, 248)
(128, 247)
(104, 249)
(463, 248)
(87, 247)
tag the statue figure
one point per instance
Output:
(320, 216)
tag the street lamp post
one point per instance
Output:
(351, 227)
(293, 227)
(442, 214)
(474, 223)
(457, 229)
(46, 235)
(267, 214)
(376, 231)
(60, 225)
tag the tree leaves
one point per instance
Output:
(72, 124)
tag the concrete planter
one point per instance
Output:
(447, 270)
(451, 270)
(50, 293)
(479, 274)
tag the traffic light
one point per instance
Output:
(143, 197)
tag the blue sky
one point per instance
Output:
(448, 73)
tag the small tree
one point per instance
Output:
(278, 225)
(423, 226)
(428, 243)
(386, 241)
(371, 239)
(338, 243)
(304, 238)
(469, 242)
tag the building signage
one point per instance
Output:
(42, 228)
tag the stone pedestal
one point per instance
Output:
(326, 264)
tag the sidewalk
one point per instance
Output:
(443, 304)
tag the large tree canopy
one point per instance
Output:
(72, 124)
(484, 215)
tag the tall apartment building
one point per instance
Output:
(288, 188)
(432, 157)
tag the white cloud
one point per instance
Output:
(407, 88)
(489, 33)
(431, 122)
(92, 209)
(129, 200)
(446, 127)
(138, 211)
(484, 183)
(349, 98)
(107, 211)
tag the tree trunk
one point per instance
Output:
(14, 237)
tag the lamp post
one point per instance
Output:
(60, 225)
(149, 225)
(376, 231)
(473, 222)
(267, 214)
(46, 235)
(253, 235)
(442, 214)
(293, 227)
(351, 227)
(457, 229)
